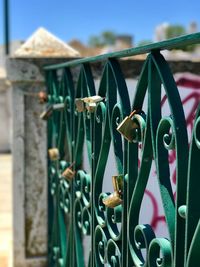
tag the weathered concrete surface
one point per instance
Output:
(30, 179)
(5, 210)
(29, 163)
(35, 173)
(5, 115)
(29, 167)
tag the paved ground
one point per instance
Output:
(5, 210)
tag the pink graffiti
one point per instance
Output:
(192, 83)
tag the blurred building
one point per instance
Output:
(193, 27)
(122, 42)
(84, 50)
(160, 32)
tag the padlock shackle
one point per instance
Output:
(72, 165)
(135, 111)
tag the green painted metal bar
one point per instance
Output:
(6, 27)
(164, 45)
(82, 117)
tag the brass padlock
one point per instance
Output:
(68, 173)
(118, 181)
(80, 105)
(47, 113)
(113, 200)
(91, 102)
(93, 99)
(129, 126)
(53, 154)
(91, 107)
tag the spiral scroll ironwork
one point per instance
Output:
(77, 203)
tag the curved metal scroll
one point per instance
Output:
(76, 206)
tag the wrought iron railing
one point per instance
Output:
(78, 113)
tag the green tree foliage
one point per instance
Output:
(108, 37)
(94, 41)
(105, 38)
(178, 30)
(175, 31)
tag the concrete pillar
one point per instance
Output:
(5, 115)
(29, 162)
(29, 166)
(29, 145)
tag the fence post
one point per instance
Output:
(29, 165)
(29, 162)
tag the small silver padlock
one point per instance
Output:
(53, 154)
(59, 106)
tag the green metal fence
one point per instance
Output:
(78, 113)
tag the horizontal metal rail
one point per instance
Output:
(164, 45)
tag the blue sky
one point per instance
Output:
(81, 19)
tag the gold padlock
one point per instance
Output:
(117, 181)
(91, 102)
(92, 99)
(68, 173)
(54, 154)
(80, 105)
(47, 113)
(128, 126)
(91, 107)
(113, 200)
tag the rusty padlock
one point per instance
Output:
(68, 173)
(115, 198)
(43, 97)
(91, 102)
(80, 105)
(53, 154)
(47, 113)
(128, 127)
